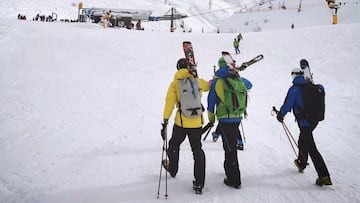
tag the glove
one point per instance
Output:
(280, 117)
(165, 122)
(211, 117)
(163, 130)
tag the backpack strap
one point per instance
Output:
(302, 113)
(179, 109)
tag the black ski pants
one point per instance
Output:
(218, 131)
(194, 135)
(308, 147)
(229, 133)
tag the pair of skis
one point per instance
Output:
(190, 57)
(304, 65)
(229, 60)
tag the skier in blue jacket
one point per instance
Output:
(306, 143)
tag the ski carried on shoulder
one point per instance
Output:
(304, 65)
(244, 65)
(190, 57)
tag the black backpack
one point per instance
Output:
(313, 96)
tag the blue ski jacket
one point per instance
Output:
(294, 102)
(213, 97)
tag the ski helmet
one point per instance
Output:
(181, 63)
(296, 71)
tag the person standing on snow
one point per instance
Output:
(106, 18)
(228, 121)
(239, 37)
(185, 126)
(221, 74)
(236, 46)
(306, 143)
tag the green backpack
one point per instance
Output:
(235, 97)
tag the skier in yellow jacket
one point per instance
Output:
(185, 126)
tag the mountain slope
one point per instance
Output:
(203, 16)
(81, 108)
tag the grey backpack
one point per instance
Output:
(190, 99)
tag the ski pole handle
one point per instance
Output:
(163, 131)
(279, 117)
(274, 111)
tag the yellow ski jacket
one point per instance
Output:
(173, 98)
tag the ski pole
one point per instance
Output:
(166, 174)
(287, 132)
(243, 132)
(164, 149)
(162, 157)
(207, 129)
(207, 134)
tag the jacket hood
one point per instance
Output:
(182, 73)
(299, 80)
(223, 72)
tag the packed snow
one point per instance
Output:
(81, 106)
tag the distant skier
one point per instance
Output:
(138, 25)
(106, 18)
(236, 46)
(239, 37)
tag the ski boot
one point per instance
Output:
(230, 184)
(239, 144)
(197, 188)
(298, 165)
(323, 181)
(165, 164)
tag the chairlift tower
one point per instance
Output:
(172, 20)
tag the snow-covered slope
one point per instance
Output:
(81, 108)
